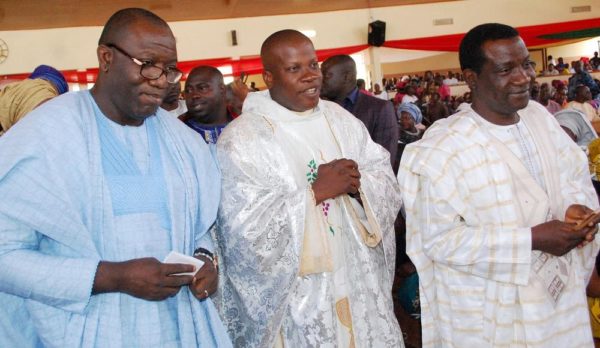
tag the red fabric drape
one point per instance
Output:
(188, 65)
(530, 34)
(248, 65)
(329, 52)
(252, 65)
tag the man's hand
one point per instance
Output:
(206, 280)
(576, 214)
(556, 237)
(145, 278)
(336, 178)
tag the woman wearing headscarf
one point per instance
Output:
(410, 116)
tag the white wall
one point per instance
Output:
(575, 51)
(74, 48)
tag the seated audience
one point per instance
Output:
(577, 126)
(545, 99)
(450, 80)
(410, 116)
(581, 103)
(560, 95)
(361, 84)
(550, 71)
(561, 65)
(410, 96)
(436, 109)
(378, 93)
(581, 77)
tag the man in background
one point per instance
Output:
(340, 86)
(205, 97)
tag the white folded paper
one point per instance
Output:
(175, 257)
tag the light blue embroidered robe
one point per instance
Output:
(57, 222)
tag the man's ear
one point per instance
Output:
(470, 77)
(105, 56)
(268, 78)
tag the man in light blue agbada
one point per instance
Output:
(97, 188)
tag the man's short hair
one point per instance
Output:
(342, 59)
(214, 72)
(122, 18)
(470, 53)
(274, 40)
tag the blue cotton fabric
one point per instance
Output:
(60, 216)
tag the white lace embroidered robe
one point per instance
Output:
(265, 294)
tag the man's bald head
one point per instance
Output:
(344, 61)
(582, 94)
(209, 71)
(118, 23)
(291, 70)
(269, 49)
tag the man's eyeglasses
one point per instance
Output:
(151, 71)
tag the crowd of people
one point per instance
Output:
(314, 213)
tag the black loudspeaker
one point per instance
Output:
(376, 33)
(233, 38)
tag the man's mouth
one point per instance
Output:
(153, 98)
(197, 104)
(311, 91)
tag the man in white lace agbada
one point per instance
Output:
(306, 219)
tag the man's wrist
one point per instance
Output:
(107, 278)
(315, 194)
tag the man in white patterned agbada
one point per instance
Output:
(487, 193)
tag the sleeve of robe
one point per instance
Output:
(380, 187)
(42, 197)
(577, 188)
(260, 231)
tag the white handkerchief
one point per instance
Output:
(175, 257)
